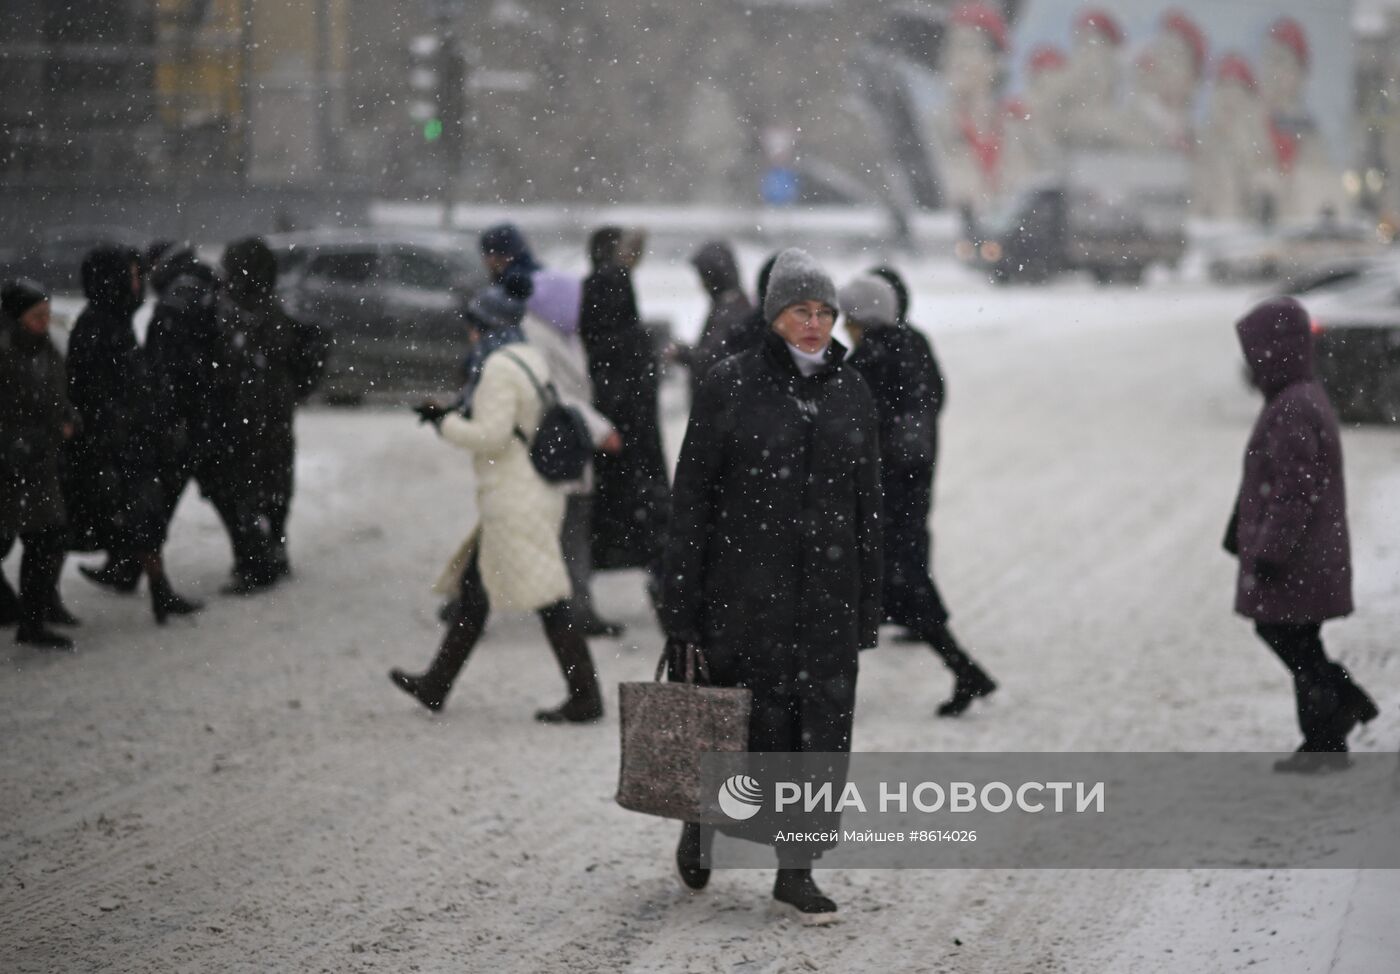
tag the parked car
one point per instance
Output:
(1112, 214)
(1356, 328)
(1292, 251)
(53, 256)
(389, 301)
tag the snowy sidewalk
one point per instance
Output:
(247, 793)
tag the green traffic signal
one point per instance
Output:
(432, 129)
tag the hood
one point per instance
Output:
(557, 299)
(717, 267)
(251, 269)
(1276, 338)
(107, 278)
(506, 240)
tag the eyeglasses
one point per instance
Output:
(800, 314)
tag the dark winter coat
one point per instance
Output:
(773, 563)
(181, 349)
(725, 331)
(34, 390)
(254, 397)
(1290, 526)
(112, 464)
(898, 365)
(631, 497)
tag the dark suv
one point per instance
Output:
(389, 303)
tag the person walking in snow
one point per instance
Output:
(512, 559)
(1289, 532)
(632, 497)
(899, 368)
(36, 420)
(773, 562)
(551, 325)
(723, 333)
(113, 465)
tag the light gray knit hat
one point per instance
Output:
(796, 277)
(869, 300)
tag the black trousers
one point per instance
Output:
(1318, 683)
(576, 541)
(39, 569)
(816, 720)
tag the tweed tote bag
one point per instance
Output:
(666, 727)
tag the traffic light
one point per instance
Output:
(437, 79)
(423, 83)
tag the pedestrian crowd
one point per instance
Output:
(96, 448)
(796, 525)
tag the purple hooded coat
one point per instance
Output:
(1291, 521)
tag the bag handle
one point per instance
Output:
(547, 393)
(694, 664)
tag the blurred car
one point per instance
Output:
(1288, 252)
(54, 255)
(389, 302)
(1356, 329)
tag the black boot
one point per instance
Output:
(1354, 699)
(32, 631)
(36, 635)
(585, 703)
(58, 613)
(601, 628)
(121, 574)
(693, 849)
(165, 602)
(1313, 762)
(796, 888)
(463, 630)
(9, 603)
(971, 680)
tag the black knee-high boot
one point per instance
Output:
(464, 628)
(38, 574)
(585, 703)
(971, 680)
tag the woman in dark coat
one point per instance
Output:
(34, 422)
(114, 491)
(898, 366)
(773, 562)
(631, 498)
(1289, 531)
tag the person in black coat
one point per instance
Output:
(631, 497)
(270, 362)
(179, 350)
(113, 487)
(34, 423)
(773, 562)
(904, 379)
(725, 332)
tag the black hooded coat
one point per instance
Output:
(773, 562)
(631, 497)
(112, 466)
(904, 378)
(726, 331)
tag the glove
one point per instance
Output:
(431, 412)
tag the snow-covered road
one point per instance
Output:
(247, 793)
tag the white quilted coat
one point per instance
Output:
(520, 513)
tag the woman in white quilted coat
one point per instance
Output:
(512, 560)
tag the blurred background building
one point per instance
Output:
(232, 112)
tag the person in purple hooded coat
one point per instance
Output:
(1289, 531)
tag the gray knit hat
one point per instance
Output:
(870, 301)
(797, 277)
